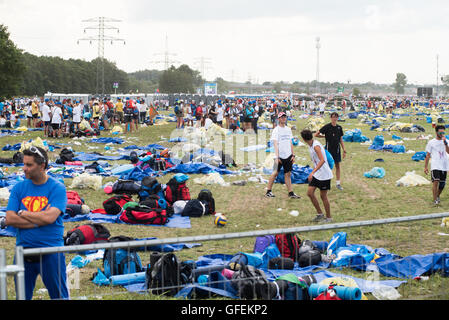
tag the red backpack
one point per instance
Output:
(176, 191)
(74, 198)
(86, 234)
(144, 215)
(288, 244)
(115, 204)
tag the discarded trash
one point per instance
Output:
(386, 293)
(376, 172)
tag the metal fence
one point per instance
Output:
(18, 270)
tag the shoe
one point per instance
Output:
(436, 202)
(269, 195)
(326, 220)
(339, 187)
(318, 218)
(294, 196)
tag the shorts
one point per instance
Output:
(128, 118)
(320, 184)
(96, 118)
(336, 154)
(438, 175)
(287, 164)
(198, 117)
(248, 120)
(220, 122)
(46, 123)
(35, 116)
(56, 126)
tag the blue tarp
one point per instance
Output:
(107, 140)
(82, 156)
(299, 175)
(196, 168)
(419, 156)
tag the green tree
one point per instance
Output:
(180, 80)
(11, 65)
(356, 92)
(400, 83)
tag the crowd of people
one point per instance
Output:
(76, 117)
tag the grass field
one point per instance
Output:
(247, 209)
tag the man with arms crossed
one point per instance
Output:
(35, 209)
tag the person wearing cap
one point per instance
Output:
(284, 156)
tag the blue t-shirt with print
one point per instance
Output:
(35, 198)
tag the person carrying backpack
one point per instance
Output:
(320, 177)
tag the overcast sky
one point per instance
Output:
(361, 40)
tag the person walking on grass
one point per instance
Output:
(320, 177)
(436, 150)
(284, 156)
(333, 133)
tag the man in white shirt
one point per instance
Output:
(56, 120)
(46, 118)
(77, 116)
(320, 177)
(284, 156)
(437, 150)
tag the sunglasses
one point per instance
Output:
(35, 150)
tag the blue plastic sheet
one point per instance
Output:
(82, 156)
(107, 140)
(299, 175)
(196, 168)
(376, 172)
(419, 156)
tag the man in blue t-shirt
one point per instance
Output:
(35, 209)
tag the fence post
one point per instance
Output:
(3, 276)
(20, 277)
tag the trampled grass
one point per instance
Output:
(247, 209)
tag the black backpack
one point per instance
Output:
(251, 283)
(195, 208)
(167, 275)
(205, 196)
(66, 155)
(126, 186)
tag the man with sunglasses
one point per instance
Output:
(35, 209)
(437, 150)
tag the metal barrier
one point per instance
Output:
(18, 270)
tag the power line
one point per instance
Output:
(202, 63)
(167, 61)
(99, 25)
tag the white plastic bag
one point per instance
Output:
(87, 181)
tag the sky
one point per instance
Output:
(240, 40)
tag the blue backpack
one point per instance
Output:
(330, 159)
(121, 261)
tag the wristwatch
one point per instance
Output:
(19, 212)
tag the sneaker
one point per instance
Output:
(326, 220)
(318, 218)
(339, 187)
(437, 202)
(293, 196)
(269, 194)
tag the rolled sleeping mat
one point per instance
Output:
(344, 293)
(127, 279)
(207, 270)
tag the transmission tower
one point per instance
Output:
(318, 47)
(167, 61)
(203, 65)
(100, 25)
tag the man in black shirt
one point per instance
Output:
(333, 133)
